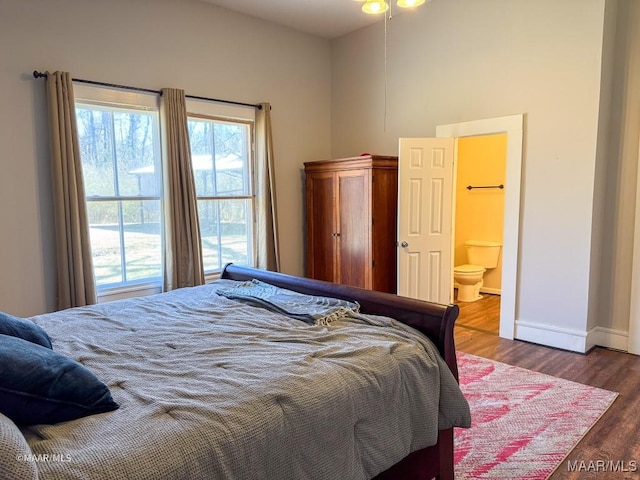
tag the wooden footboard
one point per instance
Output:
(433, 320)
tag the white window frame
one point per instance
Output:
(212, 111)
(130, 100)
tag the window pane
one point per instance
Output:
(96, 150)
(209, 234)
(104, 232)
(226, 236)
(232, 163)
(139, 233)
(228, 143)
(138, 172)
(142, 239)
(201, 140)
(120, 154)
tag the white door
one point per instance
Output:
(425, 220)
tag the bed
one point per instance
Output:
(211, 382)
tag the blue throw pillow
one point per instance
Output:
(38, 385)
(24, 329)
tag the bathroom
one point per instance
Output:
(478, 234)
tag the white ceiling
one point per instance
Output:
(325, 18)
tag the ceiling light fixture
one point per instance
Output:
(410, 3)
(380, 6)
(375, 6)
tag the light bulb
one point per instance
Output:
(409, 3)
(375, 6)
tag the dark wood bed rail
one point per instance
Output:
(433, 320)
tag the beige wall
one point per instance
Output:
(184, 44)
(479, 215)
(463, 60)
(573, 68)
(563, 64)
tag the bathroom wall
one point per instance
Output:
(480, 212)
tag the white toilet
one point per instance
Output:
(469, 278)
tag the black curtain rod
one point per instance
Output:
(37, 74)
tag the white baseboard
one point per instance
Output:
(551, 336)
(609, 338)
(569, 339)
(492, 291)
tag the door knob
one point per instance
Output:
(404, 244)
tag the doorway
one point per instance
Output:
(512, 126)
(479, 171)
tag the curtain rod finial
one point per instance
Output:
(37, 74)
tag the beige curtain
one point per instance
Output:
(183, 251)
(267, 247)
(75, 280)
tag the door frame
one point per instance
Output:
(513, 126)
(633, 343)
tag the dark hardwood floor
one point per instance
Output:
(614, 441)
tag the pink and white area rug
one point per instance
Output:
(524, 423)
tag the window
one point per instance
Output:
(120, 151)
(222, 166)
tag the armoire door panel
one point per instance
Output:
(321, 240)
(353, 220)
(384, 225)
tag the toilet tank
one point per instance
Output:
(482, 253)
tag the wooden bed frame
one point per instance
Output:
(434, 320)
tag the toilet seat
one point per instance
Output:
(469, 279)
(468, 269)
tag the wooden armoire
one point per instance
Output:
(352, 210)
